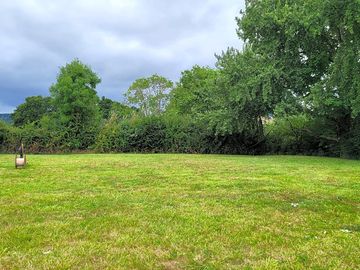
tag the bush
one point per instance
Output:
(36, 138)
(153, 134)
(300, 134)
(4, 135)
(184, 135)
(135, 135)
(350, 144)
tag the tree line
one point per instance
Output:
(293, 88)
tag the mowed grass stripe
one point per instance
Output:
(164, 211)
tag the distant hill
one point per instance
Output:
(5, 117)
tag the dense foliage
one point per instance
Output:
(293, 88)
(150, 95)
(31, 110)
(314, 46)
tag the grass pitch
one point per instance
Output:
(132, 211)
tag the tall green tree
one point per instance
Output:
(193, 95)
(241, 100)
(150, 95)
(245, 92)
(76, 103)
(315, 48)
(293, 35)
(32, 110)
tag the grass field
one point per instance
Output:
(132, 211)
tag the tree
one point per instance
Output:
(76, 103)
(245, 91)
(122, 111)
(150, 95)
(314, 46)
(242, 99)
(193, 95)
(109, 107)
(105, 105)
(32, 110)
(293, 36)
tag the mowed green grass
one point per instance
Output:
(132, 211)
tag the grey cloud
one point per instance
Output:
(120, 39)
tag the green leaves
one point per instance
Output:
(313, 47)
(76, 104)
(32, 110)
(150, 95)
(194, 93)
(245, 90)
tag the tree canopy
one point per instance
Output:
(150, 95)
(76, 102)
(314, 46)
(32, 110)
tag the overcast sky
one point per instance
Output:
(121, 40)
